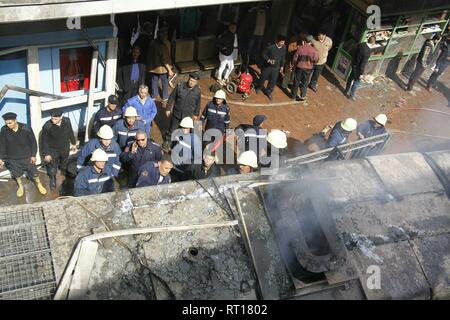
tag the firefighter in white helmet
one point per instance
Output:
(186, 150)
(95, 178)
(274, 155)
(125, 129)
(341, 131)
(247, 163)
(216, 113)
(373, 127)
(106, 143)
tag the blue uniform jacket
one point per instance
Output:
(147, 112)
(152, 153)
(113, 152)
(125, 135)
(88, 181)
(103, 116)
(217, 117)
(338, 136)
(149, 175)
(368, 129)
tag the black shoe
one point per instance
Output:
(53, 182)
(268, 95)
(313, 89)
(300, 99)
(293, 97)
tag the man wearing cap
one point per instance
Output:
(18, 149)
(108, 115)
(274, 58)
(186, 149)
(145, 107)
(303, 62)
(373, 127)
(57, 140)
(135, 156)
(251, 136)
(155, 173)
(184, 101)
(216, 113)
(125, 129)
(340, 132)
(104, 142)
(96, 178)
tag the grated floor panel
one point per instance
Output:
(26, 267)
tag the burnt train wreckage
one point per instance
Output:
(371, 228)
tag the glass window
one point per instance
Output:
(75, 68)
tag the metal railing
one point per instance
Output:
(353, 150)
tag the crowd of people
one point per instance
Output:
(122, 151)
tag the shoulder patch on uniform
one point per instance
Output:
(144, 173)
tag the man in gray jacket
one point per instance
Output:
(424, 60)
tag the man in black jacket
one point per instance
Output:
(131, 75)
(184, 101)
(18, 149)
(424, 60)
(107, 115)
(228, 46)
(359, 62)
(56, 142)
(274, 58)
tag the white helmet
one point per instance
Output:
(381, 119)
(277, 138)
(349, 124)
(99, 155)
(248, 158)
(105, 132)
(187, 123)
(220, 94)
(130, 112)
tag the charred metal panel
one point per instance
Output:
(402, 173)
(305, 226)
(401, 276)
(434, 256)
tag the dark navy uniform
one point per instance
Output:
(113, 152)
(200, 172)
(216, 116)
(149, 175)
(338, 136)
(124, 134)
(104, 116)
(152, 153)
(186, 151)
(369, 129)
(254, 138)
(89, 181)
